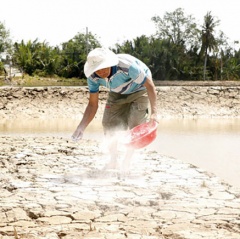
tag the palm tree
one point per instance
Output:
(209, 42)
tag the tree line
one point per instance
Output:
(179, 50)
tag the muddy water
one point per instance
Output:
(212, 144)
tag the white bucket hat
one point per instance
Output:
(99, 58)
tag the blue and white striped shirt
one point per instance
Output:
(127, 77)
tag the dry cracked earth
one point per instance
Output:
(54, 188)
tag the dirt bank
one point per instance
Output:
(70, 102)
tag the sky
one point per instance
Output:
(58, 21)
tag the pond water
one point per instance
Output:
(211, 144)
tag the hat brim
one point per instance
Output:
(111, 61)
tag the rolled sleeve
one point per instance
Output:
(92, 85)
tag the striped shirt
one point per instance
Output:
(127, 77)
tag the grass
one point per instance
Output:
(34, 81)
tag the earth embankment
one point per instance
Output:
(70, 102)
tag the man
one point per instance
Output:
(131, 88)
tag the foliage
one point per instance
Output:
(180, 41)
(177, 28)
(74, 54)
(5, 46)
(5, 41)
(36, 58)
(180, 50)
(209, 42)
(27, 56)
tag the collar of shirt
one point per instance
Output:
(113, 71)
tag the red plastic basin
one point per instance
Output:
(141, 135)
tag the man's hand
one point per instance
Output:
(154, 118)
(88, 115)
(77, 135)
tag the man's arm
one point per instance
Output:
(151, 90)
(88, 116)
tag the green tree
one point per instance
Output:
(209, 42)
(47, 60)
(138, 47)
(231, 64)
(156, 53)
(178, 28)
(5, 41)
(25, 56)
(232, 70)
(5, 46)
(181, 41)
(161, 59)
(36, 58)
(74, 54)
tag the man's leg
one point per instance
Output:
(114, 120)
(138, 114)
(127, 160)
(112, 148)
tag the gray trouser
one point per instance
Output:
(125, 111)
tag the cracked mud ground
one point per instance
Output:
(53, 188)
